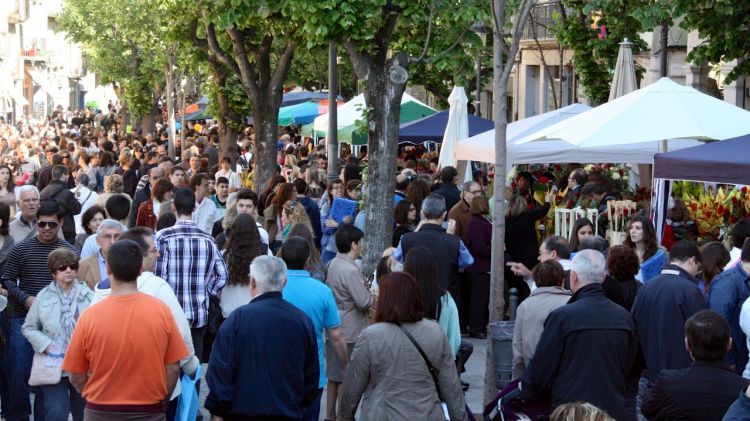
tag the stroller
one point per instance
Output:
(507, 407)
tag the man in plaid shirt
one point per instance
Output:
(191, 263)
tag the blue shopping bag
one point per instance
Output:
(187, 407)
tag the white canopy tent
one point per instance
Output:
(664, 110)
(482, 147)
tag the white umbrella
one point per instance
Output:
(623, 81)
(456, 129)
(663, 110)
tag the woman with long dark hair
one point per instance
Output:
(405, 217)
(7, 188)
(438, 303)
(582, 228)
(387, 371)
(265, 197)
(314, 264)
(243, 245)
(642, 239)
(715, 258)
(622, 264)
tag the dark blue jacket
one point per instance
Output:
(727, 293)
(660, 311)
(587, 352)
(313, 212)
(264, 362)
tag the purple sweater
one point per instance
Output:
(480, 243)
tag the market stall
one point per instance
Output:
(724, 162)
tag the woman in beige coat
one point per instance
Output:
(387, 371)
(532, 313)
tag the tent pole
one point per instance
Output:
(663, 146)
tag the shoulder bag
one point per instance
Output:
(43, 374)
(433, 371)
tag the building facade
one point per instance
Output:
(41, 70)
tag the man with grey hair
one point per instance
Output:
(268, 345)
(93, 269)
(27, 203)
(449, 250)
(587, 350)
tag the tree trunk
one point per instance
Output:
(228, 135)
(229, 121)
(664, 49)
(384, 95)
(266, 119)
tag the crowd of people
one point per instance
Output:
(125, 269)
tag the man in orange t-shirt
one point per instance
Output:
(125, 351)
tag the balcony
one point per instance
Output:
(542, 16)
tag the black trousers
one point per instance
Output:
(479, 300)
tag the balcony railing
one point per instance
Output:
(543, 20)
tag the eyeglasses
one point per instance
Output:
(476, 192)
(48, 224)
(63, 268)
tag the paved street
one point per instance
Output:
(474, 375)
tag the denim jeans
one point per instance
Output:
(4, 368)
(312, 412)
(62, 399)
(20, 357)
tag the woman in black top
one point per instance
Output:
(622, 264)
(521, 238)
(405, 215)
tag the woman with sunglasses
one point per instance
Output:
(49, 326)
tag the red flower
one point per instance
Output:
(735, 200)
(625, 212)
(543, 180)
(744, 189)
(621, 171)
(732, 219)
(720, 210)
(558, 167)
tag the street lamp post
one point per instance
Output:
(480, 29)
(332, 142)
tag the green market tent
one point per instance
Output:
(348, 114)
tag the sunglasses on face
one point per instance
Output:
(63, 268)
(48, 224)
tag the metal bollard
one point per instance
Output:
(513, 303)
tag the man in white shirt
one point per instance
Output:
(226, 172)
(204, 214)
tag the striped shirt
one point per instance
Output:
(26, 273)
(192, 265)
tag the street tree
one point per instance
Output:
(122, 42)
(379, 37)
(724, 28)
(254, 41)
(593, 29)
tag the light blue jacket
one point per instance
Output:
(43, 320)
(449, 322)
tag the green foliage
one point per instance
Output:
(236, 96)
(724, 27)
(594, 58)
(122, 41)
